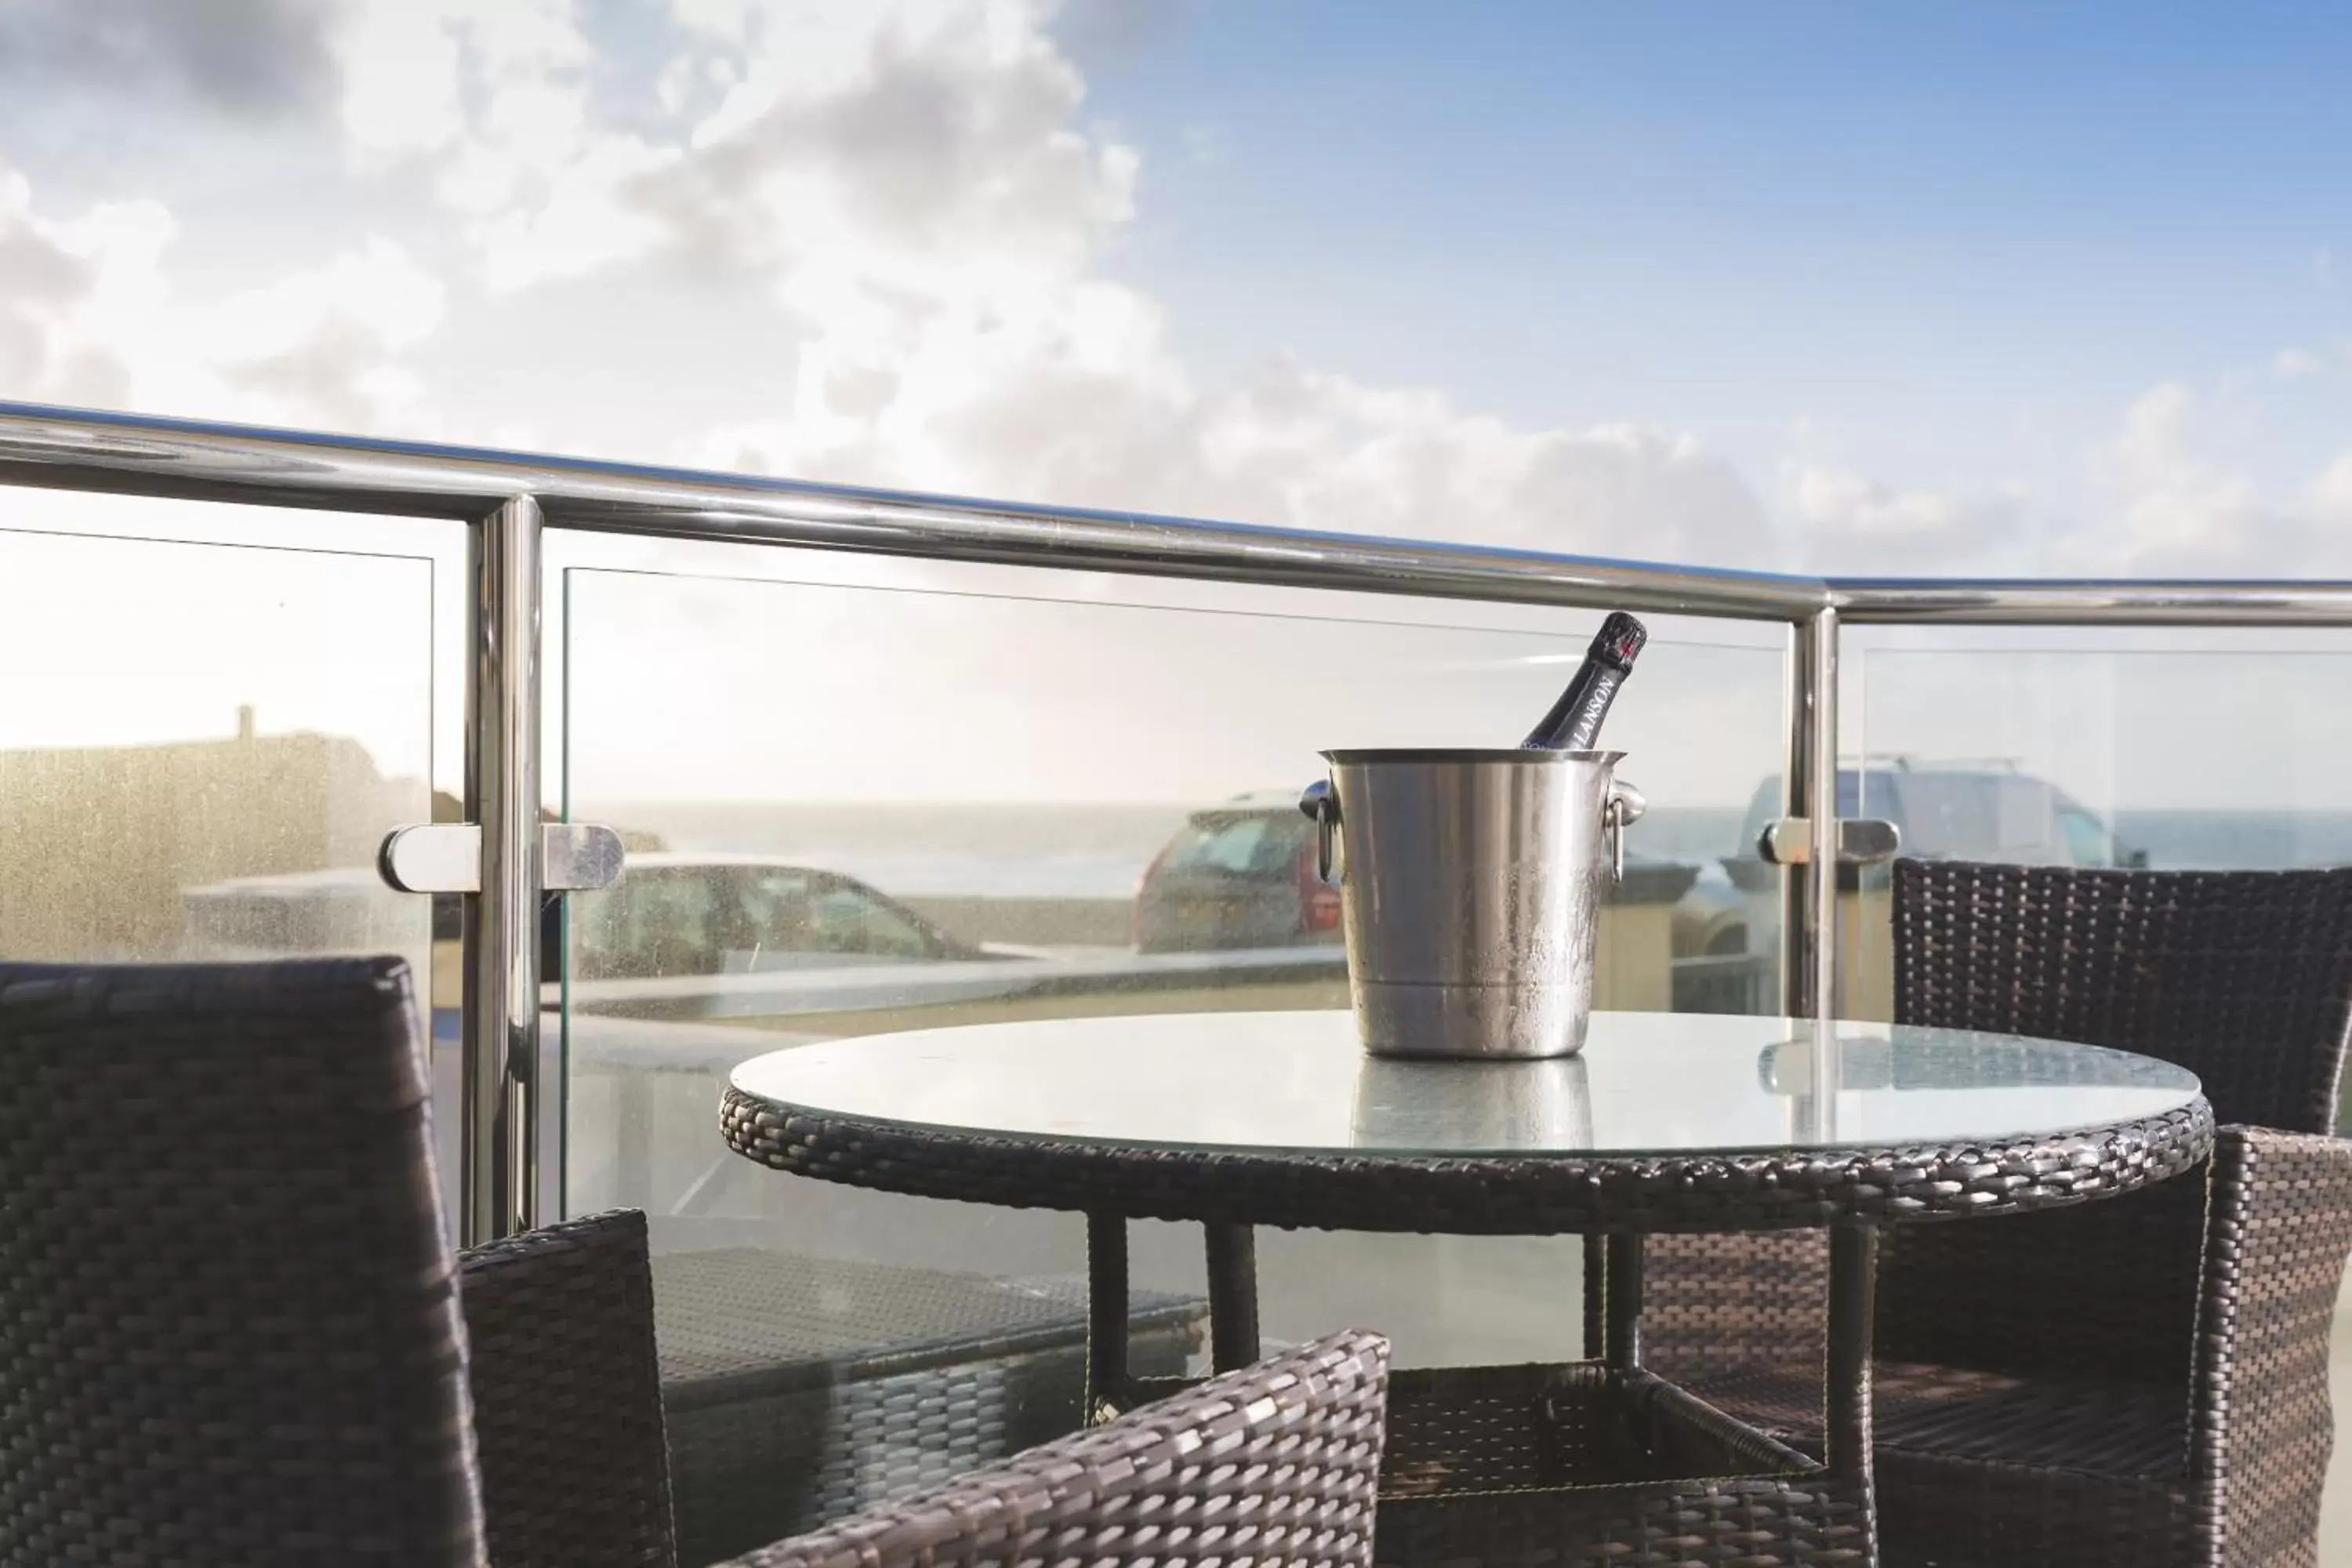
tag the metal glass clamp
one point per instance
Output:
(1862, 841)
(447, 858)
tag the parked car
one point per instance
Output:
(1242, 875)
(676, 913)
(1237, 875)
(1945, 812)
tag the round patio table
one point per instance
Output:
(1664, 1122)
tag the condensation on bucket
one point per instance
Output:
(1470, 897)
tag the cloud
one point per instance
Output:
(908, 210)
(1855, 524)
(912, 190)
(1103, 32)
(1094, 414)
(2176, 509)
(60, 282)
(328, 340)
(2301, 363)
(2330, 494)
(423, 76)
(928, 155)
(498, 104)
(254, 59)
(90, 313)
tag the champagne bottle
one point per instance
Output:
(1574, 722)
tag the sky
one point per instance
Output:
(1994, 287)
(1997, 289)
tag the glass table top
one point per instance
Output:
(1646, 1083)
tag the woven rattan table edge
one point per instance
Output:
(1462, 1195)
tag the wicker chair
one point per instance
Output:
(2142, 1380)
(798, 1390)
(572, 1400)
(567, 1396)
(228, 1314)
(1277, 1463)
(230, 1324)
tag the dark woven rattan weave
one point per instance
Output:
(2242, 977)
(1275, 1467)
(802, 1389)
(1473, 1196)
(228, 1316)
(1584, 1466)
(2137, 1381)
(1615, 1467)
(567, 1400)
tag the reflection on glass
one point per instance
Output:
(1904, 1060)
(1530, 1105)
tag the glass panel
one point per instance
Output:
(203, 741)
(2181, 750)
(859, 808)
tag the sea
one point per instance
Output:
(1100, 851)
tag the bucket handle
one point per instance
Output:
(1625, 807)
(1321, 806)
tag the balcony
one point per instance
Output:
(885, 762)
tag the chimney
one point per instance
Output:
(245, 720)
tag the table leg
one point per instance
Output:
(1621, 1303)
(1596, 1280)
(1233, 1295)
(1106, 1316)
(1853, 1276)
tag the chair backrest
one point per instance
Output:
(228, 1314)
(567, 1396)
(1277, 1465)
(2242, 977)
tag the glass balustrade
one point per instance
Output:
(866, 794)
(858, 809)
(213, 715)
(2188, 749)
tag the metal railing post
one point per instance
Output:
(1822, 802)
(1809, 888)
(1796, 800)
(500, 1182)
(1808, 794)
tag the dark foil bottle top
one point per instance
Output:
(1573, 724)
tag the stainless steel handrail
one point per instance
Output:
(72, 448)
(1891, 601)
(508, 498)
(139, 454)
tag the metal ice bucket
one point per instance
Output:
(1470, 885)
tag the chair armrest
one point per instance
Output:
(567, 1396)
(1278, 1462)
(2278, 1227)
